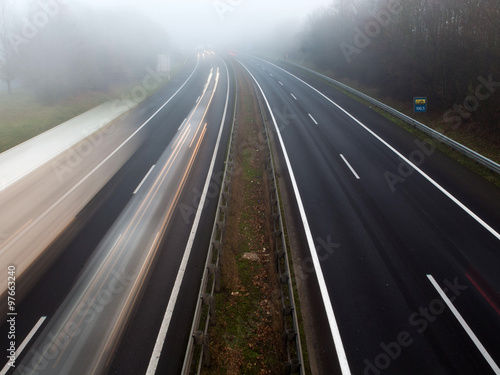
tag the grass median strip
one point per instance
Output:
(247, 338)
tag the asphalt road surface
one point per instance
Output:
(138, 224)
(403, 240)
(399, 243)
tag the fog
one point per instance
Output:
(45, 42)
(221, 23)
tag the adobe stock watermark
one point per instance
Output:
(285, 117)
(188, 208)
(188, 211)
(418, 156)
(87, 312)
(151, 81)
(35, 22)
(74, 157)
(363, 38)
(484, 90)
(225, 7)
(325, 249)
(420, 320)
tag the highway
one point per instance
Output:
(397, 245)
(124, 255)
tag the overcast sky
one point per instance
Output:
(221, 22)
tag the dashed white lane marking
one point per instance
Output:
(25, 342)
(339, 346)
(143, 180)
(350, 167)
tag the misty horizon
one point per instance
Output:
(240, 24)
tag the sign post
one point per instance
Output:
(164, 64)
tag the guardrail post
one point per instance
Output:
(290, 335)
(275, 218)
(209, 300)
(206, 351)
(215, 243)
(287, 310)
(215, 272)
(213, 316)
(217, 279)
(279, 256)
(206, 299)
(203, 340)
(273, 190)
(292, 367)
(198, 337)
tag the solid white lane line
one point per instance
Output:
(339, 346)
(406, 160)
(25, 342)
(312, 118)
(465, 326)
(143, 180)
(162, 334)
(350, 167)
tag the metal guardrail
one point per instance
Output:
(198, 345)
(205, 314)
(291, 332)
(488, 163)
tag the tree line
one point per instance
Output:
(447, 50)
(61, 48)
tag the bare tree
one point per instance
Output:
(7, 65)
(81, 49)
(438, 48)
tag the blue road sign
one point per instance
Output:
(420, 104)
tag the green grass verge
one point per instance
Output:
(22, 116)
